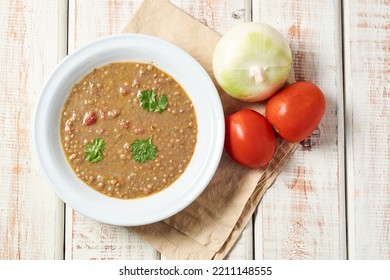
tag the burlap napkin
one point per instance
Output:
(209, 227)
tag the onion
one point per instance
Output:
(252, 61)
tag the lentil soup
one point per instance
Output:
(128, 129)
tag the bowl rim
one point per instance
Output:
(38, 128)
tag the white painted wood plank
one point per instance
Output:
(243, 249)
(221, 15)
(367, 83)
(32, 41)
(86, 238)
(303, 215)
(91, 240)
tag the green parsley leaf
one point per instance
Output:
(94, 150)
(151, 103)
(143, 150)
(148, 100)
(162, 103)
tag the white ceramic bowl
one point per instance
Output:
(195, 81)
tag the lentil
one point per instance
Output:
(92, 111)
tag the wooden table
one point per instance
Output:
(332, 200)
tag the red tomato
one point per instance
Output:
(250, 138)
(296, 110)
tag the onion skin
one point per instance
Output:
(252, 61)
